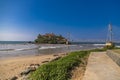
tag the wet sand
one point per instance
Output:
(14, 66)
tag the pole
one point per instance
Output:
(110, 33)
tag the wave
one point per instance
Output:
(118, 46)
(22, 49)
(53, 47)
(25, 49)
(47, 47)
(99, 44)
(17, 47)
(6, 49)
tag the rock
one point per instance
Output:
(24, 78)
(14, 78)
(55, 55)
(56, 58)
(25, 72)
(32, 68)
(64, 54)
(44, 61)
(29, 69)
(34, 64)
(31, 64)
(37, 64)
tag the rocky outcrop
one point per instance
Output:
(14, 78)
(114, 56)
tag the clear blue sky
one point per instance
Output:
(84, 19)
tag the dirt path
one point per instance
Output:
(101, 67)
(80, 70)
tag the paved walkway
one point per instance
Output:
(101, 67)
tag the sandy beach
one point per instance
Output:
(14, 66)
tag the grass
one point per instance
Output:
(61, 69)
(116, 50)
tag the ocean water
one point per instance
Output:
(13, 42)
(23, 48)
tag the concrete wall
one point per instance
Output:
(114, 56)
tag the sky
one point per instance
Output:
(23, 20)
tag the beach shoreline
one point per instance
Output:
(12, 63)
(11, 67)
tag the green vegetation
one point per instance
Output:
(50, 38)
(97, 50)
(61, 69)
(117, 50)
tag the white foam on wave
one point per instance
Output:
(17, 47)
(99, 44)
(118, 46)
(80, 46)
(53, 47)
(50, 47)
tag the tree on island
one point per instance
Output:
(50, 38)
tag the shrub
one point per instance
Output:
(59, 69)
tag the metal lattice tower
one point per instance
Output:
(68, 36)
(110, 34)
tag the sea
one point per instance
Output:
(24, 48)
